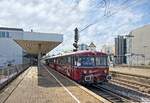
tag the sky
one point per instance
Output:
(98, 21)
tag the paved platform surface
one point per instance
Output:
(44, 86)
(131, 70)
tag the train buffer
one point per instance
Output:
(44, 85)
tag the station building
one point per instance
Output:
(120, 50)
(91, 47)
(83, 47)
(138, 46)
(10, 51)
(134, 48)
(17, 45)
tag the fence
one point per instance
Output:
(9, 73)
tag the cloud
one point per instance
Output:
(62, 16)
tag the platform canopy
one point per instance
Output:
(34, 42)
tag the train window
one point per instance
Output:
(65, 60)
(61, 60)
(51, 60)
(54, 61)
(69, 60)
(72, 60)
(75, 61)
(85, 61)
(101, 61)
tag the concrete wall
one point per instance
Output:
(39, 36)
(13, 34)
(139, 46)
(10, 51)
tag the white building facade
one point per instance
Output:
(138, 46)
(83, 47)
(10, 51)
(109, 49)
(15, 44)
(92, 46)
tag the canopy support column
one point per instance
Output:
(39, 54)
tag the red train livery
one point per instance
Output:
(82, 66)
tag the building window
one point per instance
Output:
(4, 34)
(7, 34)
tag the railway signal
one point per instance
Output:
(76, 38)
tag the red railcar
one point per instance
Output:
(82, 66)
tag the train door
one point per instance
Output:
(76, 70)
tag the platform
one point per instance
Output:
(132, 70)
(44, 85)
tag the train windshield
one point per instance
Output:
(89, 61)
(85, 61)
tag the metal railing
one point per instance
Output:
(9, 72)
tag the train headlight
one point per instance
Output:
(108, 77)
(90, 71)
(105, 71)
(84, 71)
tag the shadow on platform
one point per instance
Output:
(45, 79)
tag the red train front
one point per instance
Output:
(82, 66)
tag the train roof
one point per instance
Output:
(83, 52)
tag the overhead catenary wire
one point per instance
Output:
(123, 7)
(122, 25)
(75, 6)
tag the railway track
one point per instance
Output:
(141, 84)
(119, 94)
(107, 94)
